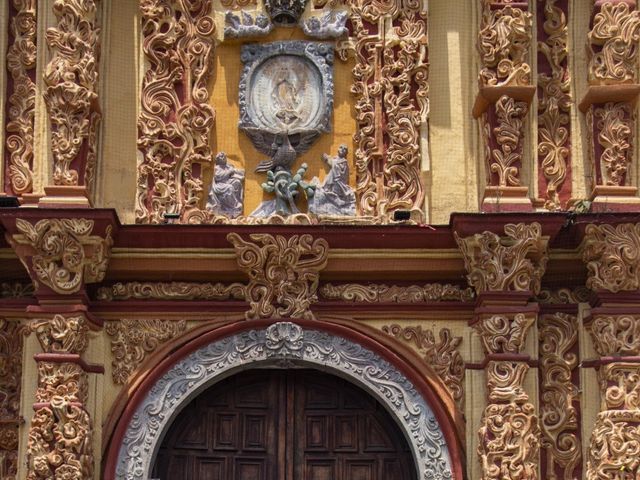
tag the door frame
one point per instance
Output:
(153, 407)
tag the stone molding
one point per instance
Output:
(282, 344)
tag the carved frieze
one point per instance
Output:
(62, 253)
(513, 262)
(133, 340)
(612, 255)
(284, 273)
(71, 96)
(176, 120)
(21, 64)
(374, 293)
(172, 291)
(442, 355)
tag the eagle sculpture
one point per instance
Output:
(281, 148)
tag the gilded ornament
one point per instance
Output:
(514, 262)
(284, 273)
(133, 340)
(375, 293)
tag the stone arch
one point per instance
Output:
(281, 344)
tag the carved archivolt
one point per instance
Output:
(71, 79)
(289, 343)
(375, 293)
(613, 43)
(133, 340)
(172, 291)
(390, 82)
(283, 273)
(64, 254)
(612, 255)
(515, 262)
(11, 342)
(443, 355)
(21, 64)
(614, 124)
(503, 43)
(175, 119)
(559, 407)
(554, 102)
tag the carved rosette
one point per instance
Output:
(390, 82)
(442, 355)
(60, 435)
(133, 340)
(284, 273)
(175, 119)
(554, 104)
(514, 262)
(71, 96)
(21, 64)
(61, 253)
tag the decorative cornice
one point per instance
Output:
(514, 262)
(284, 273)
(171, 291)
(377, 293)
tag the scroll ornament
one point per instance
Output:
(505, 161)
(133, 340)
(514, 262)
(615, 126)
(64, 254)
(171, 291)
(612, 256)
(61, 334)
(616, 335)
(374, 293)
(504, 333)
(283, 273)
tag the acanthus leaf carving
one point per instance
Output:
(616, 335)
(504, 333)
(614, 123)
(506, 160)
(172, 291)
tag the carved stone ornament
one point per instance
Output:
(612, 255)
(514, 262)
(283, 273)
(564, 295)
(332, 24)
(504, 333)
(442, 355)
(374, 293)
(133, 340)
(243, 25)
(71, 79)
(64, 254)
(334, 196)
(226, 194)
(288, 343)
(60, 334)
(616, 335)
(16, 290)
(285, 12)
(172, 291)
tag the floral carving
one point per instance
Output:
(503, 333)
(390, 82)
(616, 335)
(554, 102)
(559, 395)
(61, 334)
(133, 340)
(614, 124)
(283, 273)
(71, 79)
(172, 291)
(515, 262)
(443, 355)
(175, 119)
(64, 380)
(21, 64)
(612, 255)
(64, 254)
(505, 160)
(613, 44)
(503, 43)
(374, 293)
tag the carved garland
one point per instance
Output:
(175, 120)
(21, 64)
(71, 96)
(283, 342)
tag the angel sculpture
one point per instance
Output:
(235, 27)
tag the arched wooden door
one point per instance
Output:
(284, 425)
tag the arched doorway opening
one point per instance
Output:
(284, 424)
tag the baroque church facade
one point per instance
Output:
(319, 240)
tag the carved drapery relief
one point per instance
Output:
(59, 442)
(554, 104)
(559, 406)
(442, 354)
(133, 340)
(390, 45)
(613, 43)
(284, 273)
(612, 255)
(63, 253)
(172, 291)
(175, 119)
(378, 293)
(71, 79)
(21, 64)
(286, 342)
(514, 262)
(11, 342)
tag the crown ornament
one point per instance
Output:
(285, 12)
